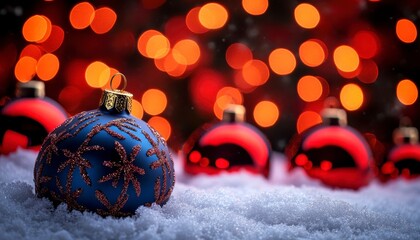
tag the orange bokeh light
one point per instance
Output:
(97, 74)
(116, 80)
(406, 30)
(306, 15)
(81, 15)
(189, 50)
(282, 61)
(255, 72)
(309, 88)
(103, 20)
(351, 97)
(213, 15)
(346, 58)
(255, 7)
(157, 47)
(137, 109)
(407, 92)
(154, 101)
(306, 120)
(312, 53)
(25, 69)
(226, 96)
(237, 55)
(266, 113)
(174, 64)
(36, 29)
(47, 66)
(193, 23)
(161, 125)
(144, 39)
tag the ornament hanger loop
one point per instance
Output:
(124, 79)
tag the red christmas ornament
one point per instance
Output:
(333, 152)
(229, 145)
(404, 159)
(27, 119)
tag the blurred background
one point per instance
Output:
(185, 60)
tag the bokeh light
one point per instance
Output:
(137, 109)
(189, 50)
(161, 125)
(226, 96)
(307, 16)
(309, 88)
(70, 97)
(153, 44)
(213, 15)
(237, 54)
(154, 101)
(36, 28)
(47, 66)
(406, 30)
(306, 120)
(31, 50)
(407, 92)
(282, 61)
(54, 41)
(346, 58)
(266, 113)
(97, 74)
(81, 15)
(312, 53)
(366, 43)
(255, 7)
(25, 69)
(103, 21)
(369, 71)
(193, 23)
(255, 72)
(351, 97)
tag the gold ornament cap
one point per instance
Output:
(31, 89)
(116, 100)
(234, 113)
(334, 117)
(406, 133)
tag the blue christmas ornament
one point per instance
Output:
(105, 161)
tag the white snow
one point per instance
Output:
(236, 206)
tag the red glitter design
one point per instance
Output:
(162, 194)
(69, 197)
(124, 167)
(113, 210)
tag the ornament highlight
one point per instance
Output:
(27, 119)
(229, 145)
(105, 160)
(404, 158)
(333, 152)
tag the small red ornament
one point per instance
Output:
(27, 119)
(404, 159)
(229, 145)
(333, 152)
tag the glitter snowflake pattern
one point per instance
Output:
(67, 196)
(164, 162)
(124, 167)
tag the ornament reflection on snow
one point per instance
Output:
(27, 119)
(105, 161)
(333, 152)
(404, 159)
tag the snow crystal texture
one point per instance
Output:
(229, 206)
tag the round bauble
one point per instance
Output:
(105, 161)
